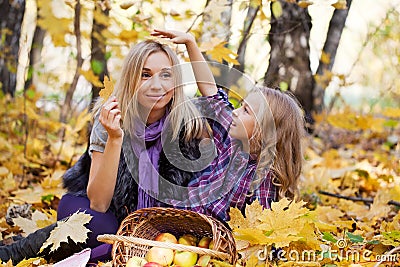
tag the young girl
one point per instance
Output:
(260, 159)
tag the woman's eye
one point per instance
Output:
(146, 75)
(165, 75)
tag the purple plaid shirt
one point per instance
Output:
(226, 181)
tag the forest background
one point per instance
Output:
(339, 57)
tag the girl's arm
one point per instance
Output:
(204, 77)
(104, 167)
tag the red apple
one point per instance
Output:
(163, 256)
(203, 260)
(166, 237)
(136, 261)
(188, 239)
(204, 242)
(152, 264)
(185, 258)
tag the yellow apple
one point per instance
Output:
(185, 258)
(136, 261)
(203, 260)
(204, 242)
(163, 256)
(211, 245)
(166, 237)
(188, 239)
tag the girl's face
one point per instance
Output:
(156, 86)
(244, 118)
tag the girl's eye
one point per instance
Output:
(246, 110)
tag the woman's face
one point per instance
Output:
(157, 84)
(244, 118)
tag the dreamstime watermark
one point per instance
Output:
(343, 253)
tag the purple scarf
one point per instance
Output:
(148, 161)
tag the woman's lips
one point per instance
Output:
(155, 97)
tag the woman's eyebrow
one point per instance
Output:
(163, 69)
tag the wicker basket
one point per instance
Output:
(138, 230)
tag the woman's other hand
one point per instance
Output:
(110, 117)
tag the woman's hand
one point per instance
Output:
(110, 117)
(177, 37)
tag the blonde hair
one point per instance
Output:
(279, 148)
(129, 82)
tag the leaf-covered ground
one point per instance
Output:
(348, 214)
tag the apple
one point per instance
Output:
(185, 258)
(204, 242)
(163, 256)
(166, 237)
(203, 260)
(211, 245)
(136, 261)
(152, 264)
(188, 239)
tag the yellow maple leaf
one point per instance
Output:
(220, 53)
(283, 221)
(39, 220)
(108, 89)
(58, 28)
(82, 120)
(73, 227)
(91, 77)
(391, 112)
(394, 225)
(128, 36)
(252, 235)
(340, 4)
(126, 4)
(31, 262)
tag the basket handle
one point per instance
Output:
(110, 239)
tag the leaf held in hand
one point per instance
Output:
(106, 92)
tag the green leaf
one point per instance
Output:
(30, 93)
(329, 237)
(391, 238)
(390, 123)
(107, 55)
(234, 101)
(284, 86)
(276, 9)
(47, 198)
(268, 233)
(355, 238)
(97, 66)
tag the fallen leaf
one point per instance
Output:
(73, 227)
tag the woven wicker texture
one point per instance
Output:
(138, 230)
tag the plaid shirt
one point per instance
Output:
(226, 181)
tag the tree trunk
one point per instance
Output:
(98, 58)
(35, 52)
(336, 26)
(79, 61)
(216, 22)
(11, 16)
(290, 54)
(247, 25)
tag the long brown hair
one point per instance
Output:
(280, 149)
